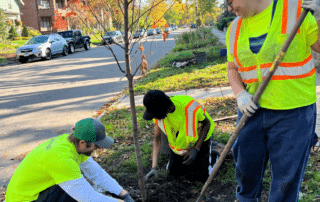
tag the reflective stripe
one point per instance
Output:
(289, 18)
(178, 151)
(190, 113)
(232, 34)
(161, 125)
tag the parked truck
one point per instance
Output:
(76, 40)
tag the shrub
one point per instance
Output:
(33, 32)
(25, 32)
(13, 33)
(9, 22)
(18, 23)
(3, 27)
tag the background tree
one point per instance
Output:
(25, 32)
(13, 33)
(3, 27)
(59, 23)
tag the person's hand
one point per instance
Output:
(314, 6)
(152, 173)
(127, 198)
(245, 103)
(190, 157)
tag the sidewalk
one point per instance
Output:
(212, 92)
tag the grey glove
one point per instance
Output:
(245, 103)
(190, 157)
(127, 198)
(152, 173)
(314, 6)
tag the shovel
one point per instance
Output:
(256, 98)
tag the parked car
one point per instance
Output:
(140, 33)
(112, 37)
(43, 46)
(168, 29)
(129, 35)
(76, 40)
(193, 26)
(152, 32)
(184, 26)
(158, 30)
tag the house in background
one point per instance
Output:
(12, 11)
(38, 14)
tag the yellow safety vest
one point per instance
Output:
(188, 132)
(294, 83)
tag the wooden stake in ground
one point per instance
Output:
(256, 98)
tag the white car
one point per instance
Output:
(43, 46)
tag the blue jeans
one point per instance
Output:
(285, 138)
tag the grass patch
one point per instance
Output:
(167, 78)
(2, 60)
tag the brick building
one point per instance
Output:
(38, 14)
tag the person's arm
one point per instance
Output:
(156, 146)
(235, 79)
(100, 178)
(205, 127)
(81, 190)
(316, 45)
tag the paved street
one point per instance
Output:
(42, 99)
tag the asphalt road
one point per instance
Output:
(42, 99)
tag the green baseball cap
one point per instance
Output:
(92, 130)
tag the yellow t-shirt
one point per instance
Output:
(52, 162)
(259, 24)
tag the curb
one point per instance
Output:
(8, 63)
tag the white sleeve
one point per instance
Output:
(101, 180)
(82, 191)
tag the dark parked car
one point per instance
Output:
(75, 40)
(113, 37)
(193, 26)
(140, 33)
(158, 30)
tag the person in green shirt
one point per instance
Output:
(53, 170)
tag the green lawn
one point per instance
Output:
(167, 78)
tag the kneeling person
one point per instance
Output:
(187, 128)
(52, 170)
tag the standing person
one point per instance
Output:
(282, 128)
(184, 125)
(52, 170)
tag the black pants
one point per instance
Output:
(199, 170)
(54, 194)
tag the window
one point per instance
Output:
(9, 4)
(59, 4)
(44, 4)
(45, 24)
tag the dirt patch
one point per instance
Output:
(8, 56)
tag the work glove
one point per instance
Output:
(152, 173)
(190, 157)
(314, 6)
(245, 103)
(127, 198)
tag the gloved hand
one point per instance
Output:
(127, 198)
(314, 6)
(152, 173)
(190, 157)
(245, 103)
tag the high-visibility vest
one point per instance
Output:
(294, 82)
(188, 132)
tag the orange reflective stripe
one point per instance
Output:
(247, 69)
(187, 116)
(194, 121)
(284, 17)
(299, 12)
(236, 42)
(250, 81)
(294, 64)
(157, 122)
(281, 77)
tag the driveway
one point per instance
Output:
(42, 99)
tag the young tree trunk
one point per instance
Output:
(132, 104)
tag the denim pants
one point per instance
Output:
(285, 138)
